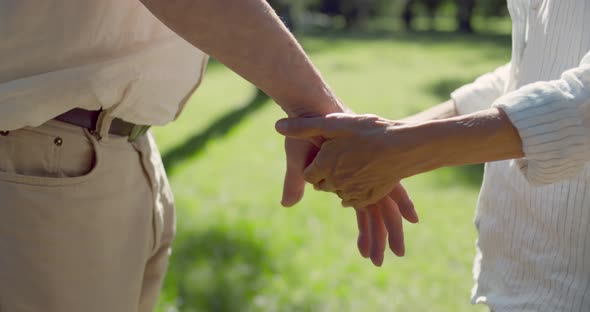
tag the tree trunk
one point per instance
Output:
(464, 15)
(284, 11)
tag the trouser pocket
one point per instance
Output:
(52, 154)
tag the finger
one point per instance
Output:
(348, 201)
(342, 196)
(299, 155)
(326, 186)
(392, 219)
(364, 238)
(302, 128)
(314, 174)
(325, 126)
(378, 235)
(406, 206)
(359, 197)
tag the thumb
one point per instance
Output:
(302, 128)
(299, 155)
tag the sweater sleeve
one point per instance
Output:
(481, 93)
(553, 121)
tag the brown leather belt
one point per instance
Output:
(89, 119)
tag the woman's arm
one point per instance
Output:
(365, 155)
(547, 123)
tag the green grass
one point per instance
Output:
(238, 250)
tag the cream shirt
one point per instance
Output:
(533, 216)
(61, 54)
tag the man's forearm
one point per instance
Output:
(248, 37)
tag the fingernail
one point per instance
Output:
(281, 126)
(287, 203)
(378, 259)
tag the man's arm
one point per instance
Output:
(249, 38)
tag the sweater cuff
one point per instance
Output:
(464, 98)
(473, 97)
(552, 132)
(480, 94)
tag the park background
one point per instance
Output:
(237, 249)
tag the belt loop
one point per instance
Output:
(103, 125)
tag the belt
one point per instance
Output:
(89, 119)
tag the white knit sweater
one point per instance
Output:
(533, 214)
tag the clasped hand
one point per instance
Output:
(362, 159)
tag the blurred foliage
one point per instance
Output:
(494, 8)
(356, 13)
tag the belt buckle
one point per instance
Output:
(137, 131)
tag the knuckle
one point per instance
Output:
(370, 116)
(361, 203)
(309, 177)
(322, 161)
(348, 203)
(344, 195)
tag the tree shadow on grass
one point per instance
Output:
(322, 40)
(218, 270)
(469, 174)
(196, 144)
(442, 89)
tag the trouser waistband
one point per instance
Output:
(101, 123)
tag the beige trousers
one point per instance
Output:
(85, 225)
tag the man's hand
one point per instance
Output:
(382, 220)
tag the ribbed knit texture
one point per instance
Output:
(533, 214)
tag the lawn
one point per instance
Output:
(237, 249)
